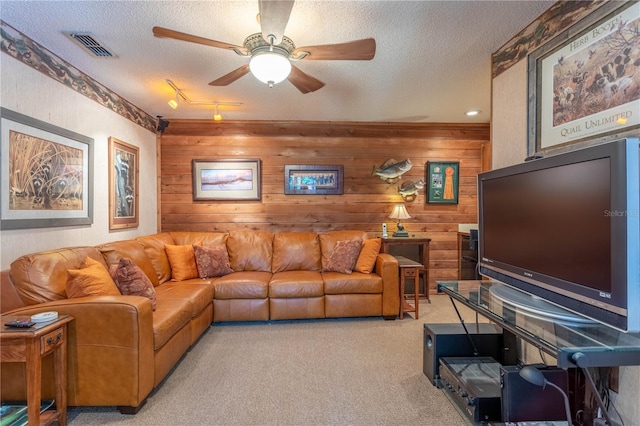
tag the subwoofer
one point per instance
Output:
(450, 339)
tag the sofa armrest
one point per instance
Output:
(387, 268)
(110, 354)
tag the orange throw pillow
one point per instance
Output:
(183, 262)
(92, 279)
(368, 255)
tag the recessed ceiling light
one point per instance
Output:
(472, 113)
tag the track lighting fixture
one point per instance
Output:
(216, 115)
(173, 103)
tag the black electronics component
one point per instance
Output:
(474, 385)
(450, 339)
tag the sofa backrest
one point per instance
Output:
(296, 251)
(42, 277)
(250, 250)
(154, 249)
(131, 249)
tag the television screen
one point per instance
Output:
(565, 228)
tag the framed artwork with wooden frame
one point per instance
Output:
(442, 179)
(314, 179)
(124, 173)
(226, 180)
(46, 174)
(584, 85)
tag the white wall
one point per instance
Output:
(29, 92)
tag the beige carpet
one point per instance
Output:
(364, 371)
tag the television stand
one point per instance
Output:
(598, 345)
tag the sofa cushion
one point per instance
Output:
(250, 250)
(336, 283)
(343, 257)
(132, 281)
(170, 316)
(183, 262)
(131, 249)
(212, 261)
(42, 277)
(199, 295)
(154, 248)
(328, 241)
(92, 279)
(242, 285)
(292, 284)
(296, 251)
(368, 255)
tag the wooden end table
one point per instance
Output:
(409, 269)
(30, 345)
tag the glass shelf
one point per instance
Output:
(574, 340)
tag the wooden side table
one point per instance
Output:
(423, 254)
(30, 345)
(409, 269)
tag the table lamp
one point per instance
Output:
(400, 212)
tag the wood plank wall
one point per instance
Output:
(367, 200)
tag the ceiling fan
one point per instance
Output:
(272, 52)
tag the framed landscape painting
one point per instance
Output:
(46, 175)
(316, 179)
(123, 184)
(227, 179)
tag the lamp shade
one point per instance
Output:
(270, 67)
(399, 212)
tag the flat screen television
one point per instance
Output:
(566, 229)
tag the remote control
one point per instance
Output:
(19, 324)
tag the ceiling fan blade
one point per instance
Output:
(165, 32)
(231, 77)
(274, 16)
(358, 50)
(304, 82)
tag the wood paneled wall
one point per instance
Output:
(367, 200)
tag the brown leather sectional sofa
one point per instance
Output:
(120, 349)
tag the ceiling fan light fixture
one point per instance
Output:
(216, 115)
(270, 67)
(173, 103)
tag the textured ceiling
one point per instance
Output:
(432, 63)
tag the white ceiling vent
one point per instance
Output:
(90, 44)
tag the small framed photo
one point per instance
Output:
(226, 179)
(123, 184)
(442, 181)
(316, 179)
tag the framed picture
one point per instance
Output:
(317, 179)
(226, 179)
(586, 83)
(442, 181)
(46, 174)
(124, 169)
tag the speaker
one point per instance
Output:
(449, 339)
(523, 401)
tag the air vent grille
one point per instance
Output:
(89, 43)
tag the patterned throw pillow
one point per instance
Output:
(92, 279)
(344, 256)
(368, 255)
(212, 261)
(132, 281)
